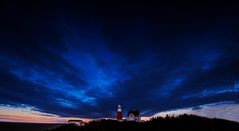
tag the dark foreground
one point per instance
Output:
(9, 126)
(183, 122)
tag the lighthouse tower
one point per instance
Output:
(119, 113)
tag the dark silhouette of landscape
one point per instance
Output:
(14, 126)
(182, 122)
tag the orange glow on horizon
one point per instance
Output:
(29, 115)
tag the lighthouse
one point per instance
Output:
(119, 113)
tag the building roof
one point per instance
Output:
(134, 112)
(75, 121)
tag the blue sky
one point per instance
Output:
(82, 61)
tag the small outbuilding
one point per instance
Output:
(77, 122)
(134, 115)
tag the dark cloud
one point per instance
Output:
(83, 62)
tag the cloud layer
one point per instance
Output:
(222, 110)
(83, 62)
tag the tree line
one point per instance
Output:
(182, 122)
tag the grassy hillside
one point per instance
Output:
(183, 122)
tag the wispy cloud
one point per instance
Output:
(223, 110)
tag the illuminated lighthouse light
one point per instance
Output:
(119, 113)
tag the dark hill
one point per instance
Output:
(14, 126)
(183, 122)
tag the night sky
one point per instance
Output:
(81, 59)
